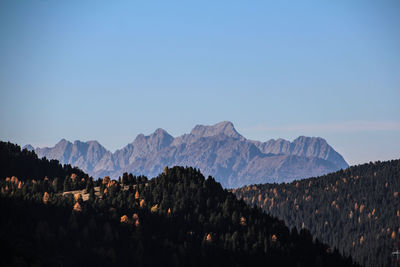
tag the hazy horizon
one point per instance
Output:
(110, 71)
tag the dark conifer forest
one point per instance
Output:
(27, 166)
(356, 210)
(55, 215)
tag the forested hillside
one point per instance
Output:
(176, 219)
(356, 210)
(25, 164)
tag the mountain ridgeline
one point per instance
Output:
(178, 218)
(356, 210)
(217, 150)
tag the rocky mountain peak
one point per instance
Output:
(161, 138)
(93, 143)
(306, 139)
(63, 142)
(152, 143)
(222, 128)
(161, 134)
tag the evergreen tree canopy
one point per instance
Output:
(356, 210)
(25, 164)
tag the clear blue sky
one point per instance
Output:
(109, 70)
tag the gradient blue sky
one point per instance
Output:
(109, 70)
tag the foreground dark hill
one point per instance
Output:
(217, 150)
(356, 210)
(12, 158)
(178, 218)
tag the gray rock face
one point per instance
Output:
(217, 150)
(303, 146)
(89, 156)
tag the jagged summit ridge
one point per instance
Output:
(222, 128)
(218, 150)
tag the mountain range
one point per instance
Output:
(218, 150)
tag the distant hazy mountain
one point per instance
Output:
(218, 150)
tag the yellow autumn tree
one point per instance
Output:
(111, 183)
(142, 203)
(78, 197)
(77, 207)
(14, 180)
(135, 216)
(165, 170)
(208, 238)
(46, 197)
(106, 180)
(274, 238)
(362, 207)
(154, 208)
(124, 219)
(20, 185)
(73, 176)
